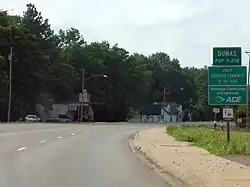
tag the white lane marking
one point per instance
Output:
(73, 134)
(21, 148)
(43, 141)
(35, 131)
(59, 137)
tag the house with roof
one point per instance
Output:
(161, 113)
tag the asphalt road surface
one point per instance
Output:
(72, 155)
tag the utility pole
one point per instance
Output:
(82, 90)
(84, 98)
(164, 94)
(83, 72)
(248, 75)
(10, 82)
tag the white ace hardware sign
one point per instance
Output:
(228, 113)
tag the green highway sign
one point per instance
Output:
(227, 95)
(234, 75)
(227, 79)
(230, 56)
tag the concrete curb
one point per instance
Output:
(170, 178)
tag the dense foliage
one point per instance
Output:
(47, 69)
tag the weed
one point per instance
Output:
(213, 141)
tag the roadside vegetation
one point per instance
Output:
(213, 141)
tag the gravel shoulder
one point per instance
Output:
(181, 164)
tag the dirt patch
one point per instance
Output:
(241, 159)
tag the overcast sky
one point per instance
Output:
(185, 29)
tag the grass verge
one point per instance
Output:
(213, 141)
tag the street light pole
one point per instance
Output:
(81, 107)
(10, 82)
(248, 75)
(98, 75)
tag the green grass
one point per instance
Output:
(213, 141)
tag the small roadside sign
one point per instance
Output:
(228, 113)
(72, 107)
(83, 97)
(216, 110)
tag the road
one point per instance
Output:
(77, 155)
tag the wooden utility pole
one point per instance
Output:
(82, 90)
(10, 82)
(164, 95)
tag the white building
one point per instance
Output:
(161, 113)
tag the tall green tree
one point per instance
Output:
(201, 109)
(47, 69)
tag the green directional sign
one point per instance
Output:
(228, 75)
(230, 56)
(227, 95)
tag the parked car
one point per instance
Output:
(32, 118)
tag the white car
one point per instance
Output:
(32, 118)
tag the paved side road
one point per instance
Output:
(63, 155)
(184, 165)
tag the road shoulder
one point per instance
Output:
(183, 165)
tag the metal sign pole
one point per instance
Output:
(228, 131)
(228, 115)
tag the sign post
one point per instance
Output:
(228, 116)
(227, 81)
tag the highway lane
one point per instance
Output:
(72, 155)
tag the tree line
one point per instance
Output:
(47, 69)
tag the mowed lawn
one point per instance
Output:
(213, 141)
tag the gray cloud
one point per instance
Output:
(186, 29)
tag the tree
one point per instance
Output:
(47, 69)
(168, 73)
(72, 60)
(201, 109)
(3, 89)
